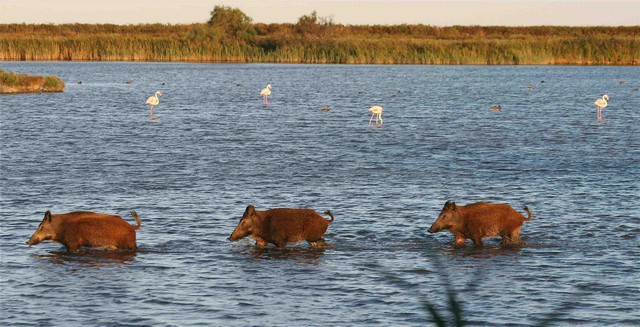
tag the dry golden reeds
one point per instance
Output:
(329, 43)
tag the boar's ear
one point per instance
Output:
(450, 205)
(47, 216)
(250, 211)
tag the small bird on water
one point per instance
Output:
(326, 108)
(496, 108)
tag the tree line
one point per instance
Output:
(231, 36)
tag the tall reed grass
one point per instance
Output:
(326, 43)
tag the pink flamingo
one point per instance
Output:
(153, 101)
(266, 92)
(601, 103)
(376, 111)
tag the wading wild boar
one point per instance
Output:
(281, 226)
(85, 228)
(481, 220)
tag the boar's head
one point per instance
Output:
(44, 232)
(246, 226)
(445, 219)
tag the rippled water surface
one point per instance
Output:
(217, 148)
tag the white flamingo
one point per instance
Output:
(601, 103)
(376, 111)
(153, 101)
(266, 92)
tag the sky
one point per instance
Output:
(355, 12)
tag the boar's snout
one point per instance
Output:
(236, 235)
(33, 241)
(435, 227)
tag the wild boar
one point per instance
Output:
(85, 228)
(281, 226)
(481, 220)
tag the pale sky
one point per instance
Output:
(366, 12)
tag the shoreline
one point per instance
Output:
(16, 83)
(321, 63)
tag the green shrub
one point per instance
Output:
(53, 84)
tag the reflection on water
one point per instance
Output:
(88, 257)
(485, 251)
(218, 148)
(306, 255)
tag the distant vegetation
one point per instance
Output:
(22, 83)
(231, 36)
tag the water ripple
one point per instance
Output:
(216, 149)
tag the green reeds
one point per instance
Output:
(328, 43)
(453, 313)
(22, 83)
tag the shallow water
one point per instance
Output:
(217, 148)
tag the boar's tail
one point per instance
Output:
(135, 216)
(330, 215)
(529, 214)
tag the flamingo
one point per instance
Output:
(266, 92)
(601, 103)
(376, 111)
(153, 101)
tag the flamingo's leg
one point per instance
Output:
(370, 119)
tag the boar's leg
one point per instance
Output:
(477, 241)
(260, 241)
(460, 238)
(320, 242)
(512, 238)
(280, 243)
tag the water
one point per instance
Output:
(217, 149)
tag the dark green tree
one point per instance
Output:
(232, 21)
(312, 24)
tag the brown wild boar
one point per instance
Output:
(480, 220)
(85, 228)
(281, 226)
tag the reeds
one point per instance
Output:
(22, 83)
(326, 43)
(453, 313)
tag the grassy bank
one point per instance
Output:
(324, 42)
(22, 83)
